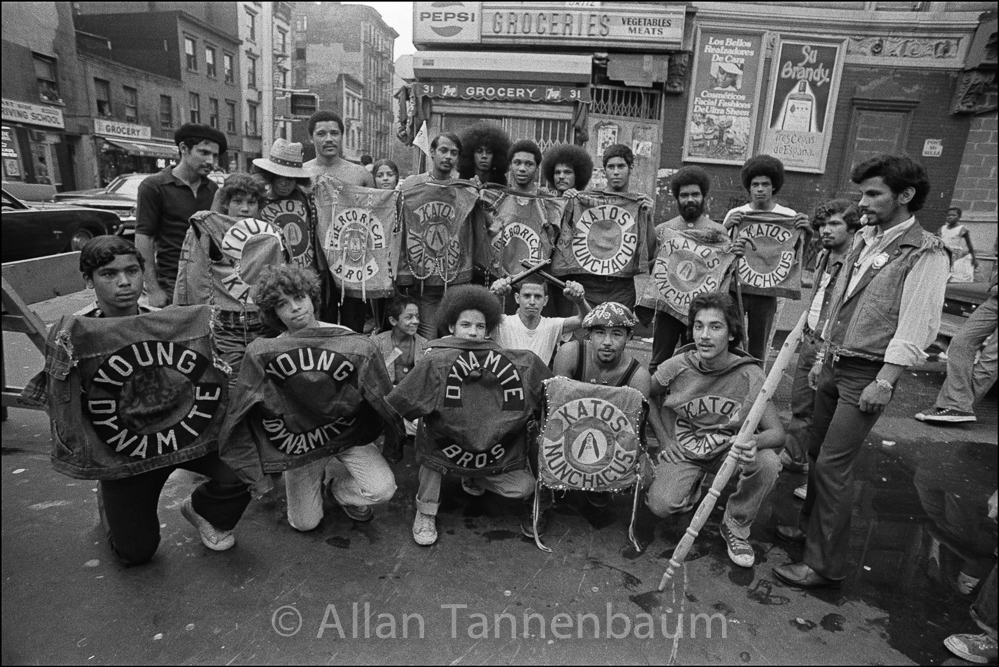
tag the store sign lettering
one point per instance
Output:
(504, 92)
(32, 114)
(122, 130)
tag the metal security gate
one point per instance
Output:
(629, 116)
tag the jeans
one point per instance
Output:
(232, 335)
(667, 333)
(130, 505)
(599, 289)
(967, 381)
(839, 428)
(675, 485)
(360, 477)
(984, 609)
(802, 402)
(760, 313)
(429, 300)
(514, 484)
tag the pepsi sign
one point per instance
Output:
(455, 22)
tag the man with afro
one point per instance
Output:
(484, 153)
(763, 177)
(567, 169)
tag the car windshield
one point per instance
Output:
(127, 186)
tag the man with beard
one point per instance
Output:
(485, 153)
(326, 131)
(885, 311)
(690, 188)
(567, 169)
(445, 150)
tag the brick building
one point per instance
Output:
(344, 54)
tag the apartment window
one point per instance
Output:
(166, 112)
(284, 78)
(192, 56)
(48, 84)
(102, 92)
(230, 122)
(251, 25)
(210, 62)
(251, 121)
(251, 72)
(131, 104)
(195, 108)
(301, 23)
(227, 70)
(281, 41)
(213, 112)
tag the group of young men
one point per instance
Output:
(477, 389)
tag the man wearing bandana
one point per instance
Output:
(885, 311)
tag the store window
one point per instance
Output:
(43, 157)
(192, 56)
(195, 108)
(131, 104)
(48, 84)
(213, 112)
(281, 42)
(230, 73)
(210, 62)
(251, 71)
(166, 112)
(102, 93)
(230, 122)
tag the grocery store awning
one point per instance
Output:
(144, 148)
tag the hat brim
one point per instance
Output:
(280, 169)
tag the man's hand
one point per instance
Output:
(813, 375)
(571, 193)
(802, 223)
(874, 398)
(648, 204)
(670, 451)
(574, 291)
(501, 287)
(158, 297)
(739, 245)
(734, 220)
(744, 452)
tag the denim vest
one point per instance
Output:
(862, 324)
(127, 395)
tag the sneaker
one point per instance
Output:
(739, 550)
(359, 513)
(791, 466)
(527, 523)
(946, 416)
(598, 498)
(469, 486)
(966, 583)
(979, 649)
(802, 491)
(211, 537)
(424, 529)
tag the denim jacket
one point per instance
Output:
(476, 400)
(304, 396)
(127, 395)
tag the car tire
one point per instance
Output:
(79, 239)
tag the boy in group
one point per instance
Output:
(475, 400)
(401, 347)
(484, 157)
(700, 397)
(326, 132)
(601, 358)
(567, 169)
(525, 156)
(762, 177)
(113, 268)
(310, 404)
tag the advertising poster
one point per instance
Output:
(721, 121)
(801, 102)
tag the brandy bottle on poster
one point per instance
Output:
(798, 112)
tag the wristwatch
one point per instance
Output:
(883, 384)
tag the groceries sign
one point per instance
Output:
(625, 25)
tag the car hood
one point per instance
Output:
(98, 201)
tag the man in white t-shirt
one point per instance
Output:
(527, 329)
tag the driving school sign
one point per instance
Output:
(590, 438)
(689, 263)
(772, 267)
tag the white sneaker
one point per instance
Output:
(469, 486)
(211, 537)
(802, 491)
(424, 529)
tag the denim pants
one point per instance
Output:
(802, 402)
(513, 484)
(599, 289)
(839, 429)
(674, 489)
(130, 505)
(668, 332)
(429, 301)
(968, 380)
(760, 313)
(360, 477)
(233, 334)
(984, 609)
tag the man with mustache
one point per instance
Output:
(326, 130)
(444, 152)
(690, 187)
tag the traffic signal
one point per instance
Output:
(304, 104)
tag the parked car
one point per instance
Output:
(960, 302)
(36, 231)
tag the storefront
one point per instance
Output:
(593, 74)
(125, 148)
(35, 147)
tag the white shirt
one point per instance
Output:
(513, 334)
(747, 208)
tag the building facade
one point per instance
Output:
(344, 54)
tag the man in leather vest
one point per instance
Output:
(885, 311)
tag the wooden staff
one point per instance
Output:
(745, 434)
(537, 269)
(531, 269)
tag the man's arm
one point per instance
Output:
(575, 293)
(565, 359)
(147, 223)
(642, 381)
(146, 245)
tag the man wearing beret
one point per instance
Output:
(166, 202)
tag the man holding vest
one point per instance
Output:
(885, 311)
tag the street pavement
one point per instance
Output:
(367, 594)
